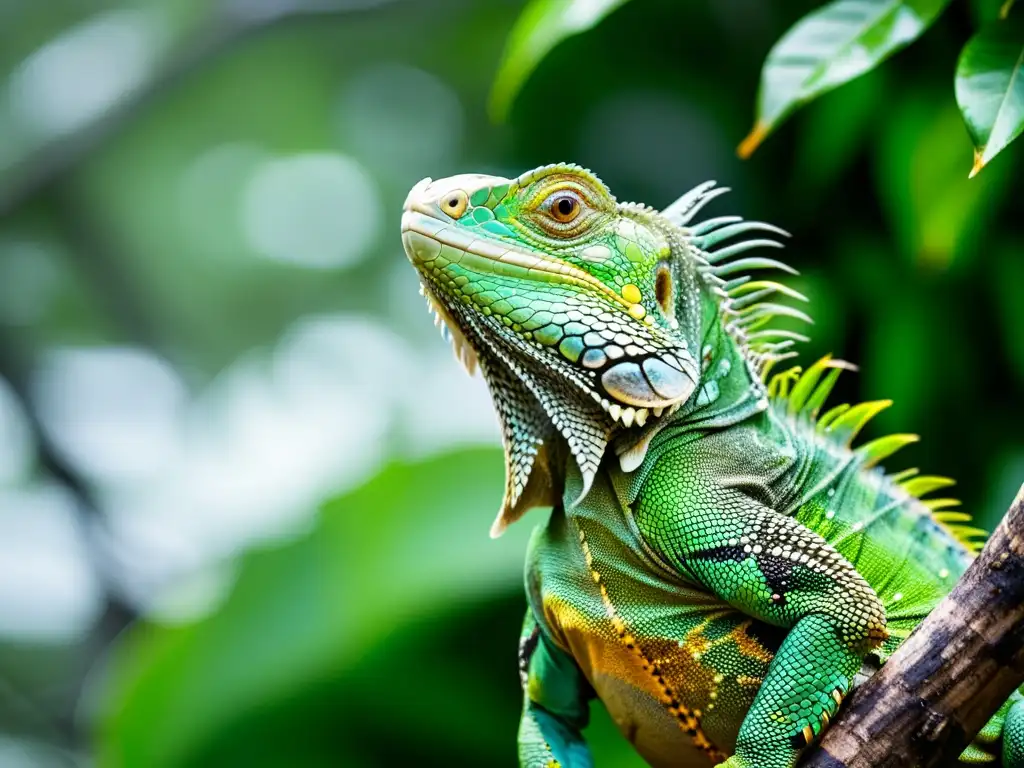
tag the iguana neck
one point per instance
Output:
(730, 389)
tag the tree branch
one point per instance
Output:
(950, 676)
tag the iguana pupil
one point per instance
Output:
(566, 208)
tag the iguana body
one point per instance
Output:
(719, 562)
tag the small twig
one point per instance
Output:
(950, 676)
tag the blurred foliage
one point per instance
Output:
(829, 47)
(244, 489)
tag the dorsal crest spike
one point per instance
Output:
(924, 484)
(682, 211)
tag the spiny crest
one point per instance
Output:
(943, 509)
(802, 394)
(747, 306)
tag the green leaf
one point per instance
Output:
(542, 25)
(829, 47)
(990, 88)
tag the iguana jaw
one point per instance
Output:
(489, 286)
(630, 391)
(427, 238)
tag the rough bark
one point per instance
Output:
(950, 676)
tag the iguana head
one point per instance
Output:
(584, 314)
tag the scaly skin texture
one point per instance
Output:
(720, 563)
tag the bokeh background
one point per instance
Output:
(244, 487)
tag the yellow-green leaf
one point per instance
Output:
(832, 46)
(542, 25)
(990, 88)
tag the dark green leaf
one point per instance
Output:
(990, 88)
(832, 46)
(542, 25)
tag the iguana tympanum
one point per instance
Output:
(720, 561)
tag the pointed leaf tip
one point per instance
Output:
(979, 163)
(989, 87)
(753, 140)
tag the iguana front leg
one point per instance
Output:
(555, 704)
(775, 569)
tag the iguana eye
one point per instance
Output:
(455, 203)
(564, 213)
(564, 208)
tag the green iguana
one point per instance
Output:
(719, 562)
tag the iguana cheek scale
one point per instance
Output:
(720, 563)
